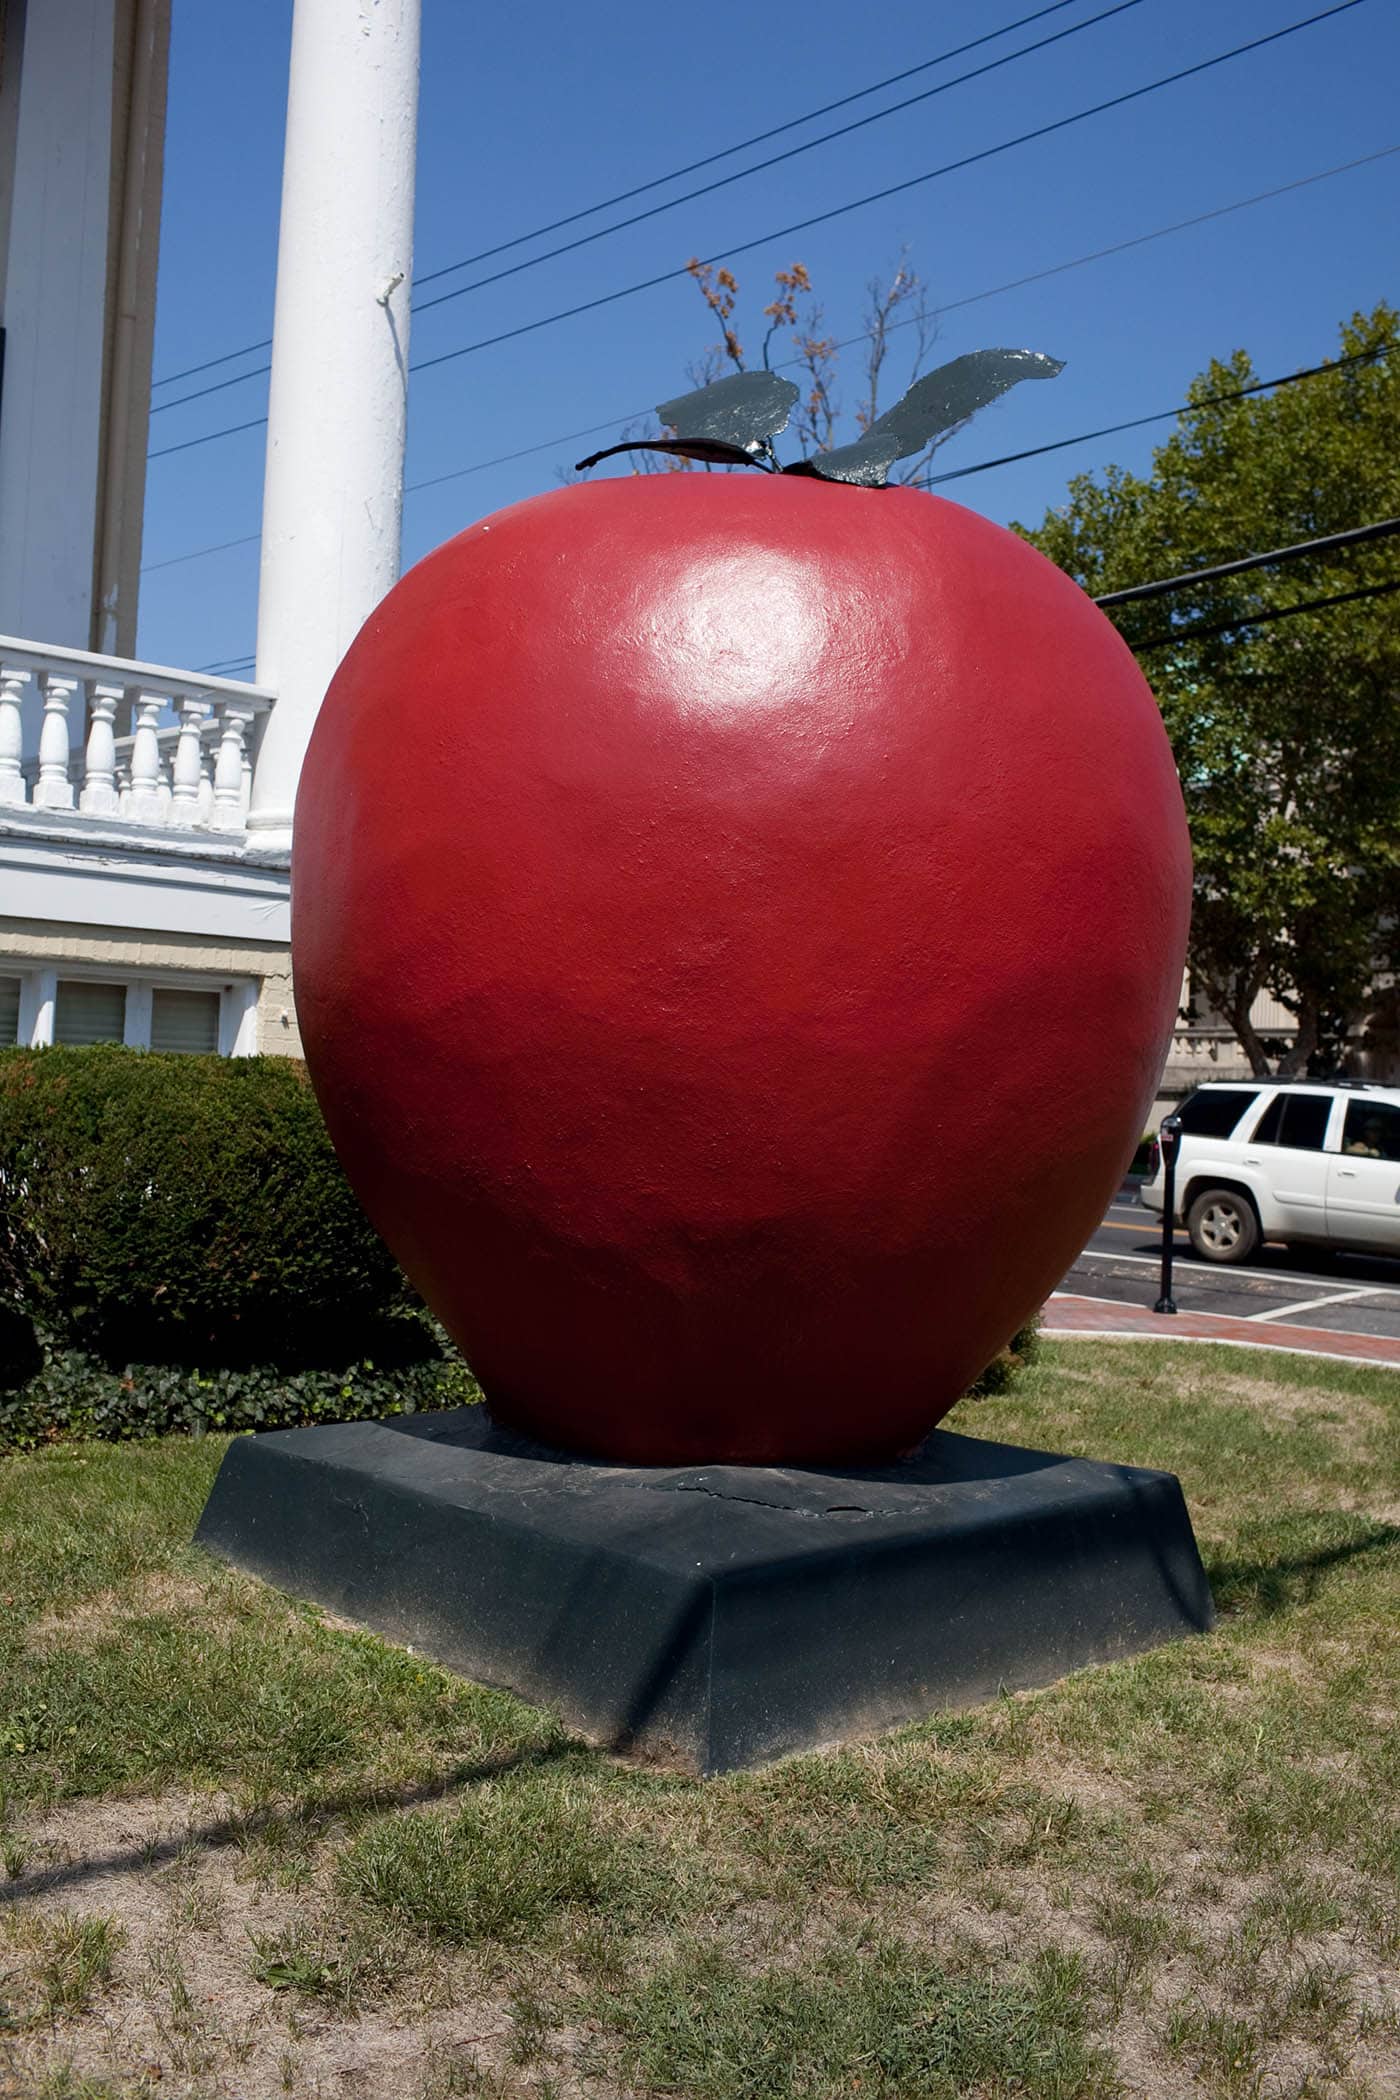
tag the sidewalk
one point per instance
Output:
(1084, 1318)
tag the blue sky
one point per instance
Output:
(530, 112)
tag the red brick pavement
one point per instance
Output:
(1071, 1315)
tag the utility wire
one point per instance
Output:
(209, 364)
(1077, 262)
(1258, 386)
(1359, 534)
(173, 561)
(229, 430)
(1282, 612)
(760, 138)
(824, 138)
(894, 189)
(653, 211)
(657, 182)
(1160, 415)
(837, 211)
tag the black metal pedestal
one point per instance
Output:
(716, 1616)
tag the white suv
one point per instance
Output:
(1291, 1161)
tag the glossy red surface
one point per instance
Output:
(738, 923)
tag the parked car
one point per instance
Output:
(1307, 1163)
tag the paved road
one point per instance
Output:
(1349, 1293)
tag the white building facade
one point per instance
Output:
(146, 810)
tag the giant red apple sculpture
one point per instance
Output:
(738, 923)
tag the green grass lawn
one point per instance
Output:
(245, 1851)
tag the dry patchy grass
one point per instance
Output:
(252, 1853)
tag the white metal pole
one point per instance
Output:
(333, 493)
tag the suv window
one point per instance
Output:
(1298, 1120)
(1215, 1111)
(1372, 1130)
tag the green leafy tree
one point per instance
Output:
(1287, 735)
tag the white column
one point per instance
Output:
(37, 1000)
(238, 1021)
(333, 493)
(136, 1029)
(55, 313)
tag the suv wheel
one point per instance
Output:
(1223, 1225)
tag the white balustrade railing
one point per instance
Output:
(105, 750)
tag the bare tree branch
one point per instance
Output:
(720, 291)
(897, 300)
(883, 309)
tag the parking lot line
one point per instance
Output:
(1285, 1312)
(1224, 1270)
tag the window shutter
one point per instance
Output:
(186, 1021)
(9, 1012)
(89, 1013)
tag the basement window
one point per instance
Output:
(89, 1013)
(9, 1011)
(186, 1021)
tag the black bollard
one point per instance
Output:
(1169, 1137)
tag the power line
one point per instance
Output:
(759, 138)
(790, 153)
(1160, 415)
(226, 357)
(894, 189)
(984, 466)
(229, 430)
(1282, 612)
(1356, 537)
(653, 211)
(657, 182)
(173, 561)
(837, 211)
(1077, 262)
(219, 386)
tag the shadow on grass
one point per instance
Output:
(1263, 1586)
(324, 1807)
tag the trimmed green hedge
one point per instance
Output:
(73, 1394)
(183, 1210)
(179, 1250)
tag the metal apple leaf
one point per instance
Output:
(728, 423)
(746, 409)
(937, 402)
